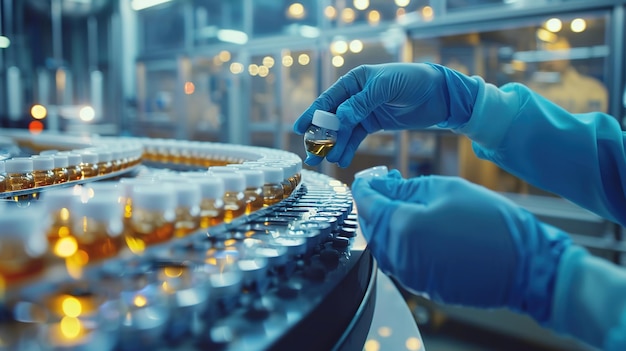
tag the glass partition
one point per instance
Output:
(563, 58)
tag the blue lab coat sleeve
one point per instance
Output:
(580, 157)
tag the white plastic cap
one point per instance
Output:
(377, 171)
(151, 198)
(56, 199)
(49, 152)
(127, 184)
(221, 169)
(19, 165)
(210, 188)
(99, 208)
(104, 155)
(73, 159)
(233, 182)
(25, 226)
(325, 119)
(90, 157)
(102, 189)
(187, 193)
(273, 175)
(60, 161)
(254, 178)
(43, 163)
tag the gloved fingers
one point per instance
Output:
(346, 146)
(313, 160)
(394, 174)
(330, 99)
(358, 107)
(370, 203)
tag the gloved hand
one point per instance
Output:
(391, 96)
(459, 242)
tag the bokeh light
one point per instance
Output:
(356, 46)
(189, 88)
(268, 61)
(554, 25)
(578, 25)
(38, 111)
(287, 61)
(296, 10)
(337, 61)
(35, 127)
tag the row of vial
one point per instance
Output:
(88, 223)
(183, 292)
(58, 167)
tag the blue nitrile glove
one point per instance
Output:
(391, 96)
(459, 242)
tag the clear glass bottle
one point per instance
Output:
(153, 216)
(24, 244)
(255, 179)
(321, 136)
(61, 173)
(117, 159)
(19, 173)
(273, 191)
(58, 203)
(3, 178)
(43, 170)
(89, 165)
(288, 180)
(212, 202)
(234, 203)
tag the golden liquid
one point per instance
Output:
(319, 147)
(93, 239)
(89, 170)
(3, 184)
(272, 194)
(234, 205)
(19, 181)
(62, 175)
(117, 165)
(74, 173)
(287, 188)
(211, 212)
(16, 264)
(105, 168)
(43, 178)
(149, 227)
(253, 199)
(185, 223)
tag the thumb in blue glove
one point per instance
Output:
(392, 96)
(460, 243)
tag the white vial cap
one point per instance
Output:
(233, 182)
(19, 165)
(254, 178)
(325, 119)
(102, 189)
(49, 152)
(210, 188)
(98, 208)
(25, 226)
(73, 159)
(104, 155)
(162, 198)
(221, 169)
(89, 157)
(56, 199)
(187, 194)
(273, 175)
(60, 161)
(43, 163)
(127, 184)
(377, 171)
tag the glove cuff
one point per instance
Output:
(461, 92)
(493, 113)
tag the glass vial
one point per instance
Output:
(321, 136)
(153, 216)
(3, 178)
(255, 180)
(61, 174)
(19, 173)
(212, 202)
(105, 164)
(187, 204)
(234, 187)
(42, 170)
(273, 191)
(89, 165)
(57, 203)
(73, 165)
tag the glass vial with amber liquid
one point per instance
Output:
(19, 173)
(42, 170)
(321, 136)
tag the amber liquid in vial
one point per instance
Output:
(89, 170)
(3, 183)
(43, 177)
(104, 168)
(20, 181)
(185, 222)
(15, 263)
(319, 147)
(149, 227)
(211, 212)
(254, 199)
(272, 194)
(74, 173)
(92, 238)
(234, 206)
(61, 175)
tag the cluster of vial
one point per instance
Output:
(53, 167)
(182, 291)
